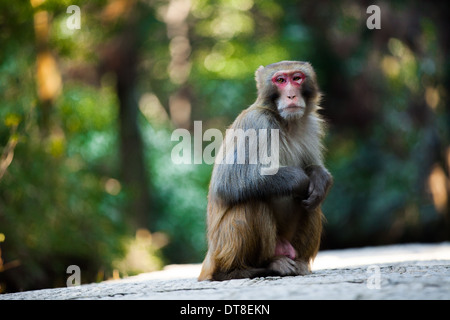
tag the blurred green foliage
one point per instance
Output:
(63, 200)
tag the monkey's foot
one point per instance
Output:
(283, 266)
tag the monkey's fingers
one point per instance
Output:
(284, 266)
(311, 188)
(302, 267)
(312, 201)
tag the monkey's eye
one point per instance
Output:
(280, 80)
(298, 77)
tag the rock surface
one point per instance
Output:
(412, 271)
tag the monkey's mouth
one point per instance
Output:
(292, 108)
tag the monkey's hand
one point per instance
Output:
(300, 190)
(320, 181)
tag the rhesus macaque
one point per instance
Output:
(270, 224)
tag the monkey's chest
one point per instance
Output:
(299, 148)
(294, 153)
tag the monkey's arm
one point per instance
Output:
(320, 181)
(240, 183)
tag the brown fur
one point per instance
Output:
(248, 212)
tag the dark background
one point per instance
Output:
(86, 118)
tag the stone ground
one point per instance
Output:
(411, 271)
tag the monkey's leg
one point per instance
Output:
(286, 213)
(306, 240)
(243, 244)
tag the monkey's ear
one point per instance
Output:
(258, 76)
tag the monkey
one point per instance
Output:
(262, 225)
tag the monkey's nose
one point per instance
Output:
(291, 97)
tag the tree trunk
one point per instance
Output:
(131, 148)
(120, 57)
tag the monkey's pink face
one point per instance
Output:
(290, 103)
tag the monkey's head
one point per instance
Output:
(290, 87)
